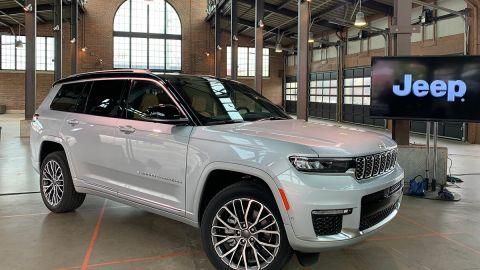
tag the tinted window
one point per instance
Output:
(146, 101)
(217, 101)
(67, 97)
(104, 98)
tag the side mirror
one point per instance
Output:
(166, 113)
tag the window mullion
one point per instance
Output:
(46, 53)
(148, 39)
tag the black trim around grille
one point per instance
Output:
(379, 205)
(327, 224)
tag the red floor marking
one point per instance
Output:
(151, 258)
(439, 234)
(94, 236)
(404, 237)
(417, 224)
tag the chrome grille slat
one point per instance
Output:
(383, 160)
(375, 165)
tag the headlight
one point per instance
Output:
(322, 165)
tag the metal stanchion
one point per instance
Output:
(427, 168)
(435, 137)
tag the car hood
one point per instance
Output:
(327, 140)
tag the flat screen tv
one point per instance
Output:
(434, 88)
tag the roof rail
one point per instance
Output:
(99, 73)
(146, 71)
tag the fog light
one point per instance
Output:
(333, 212)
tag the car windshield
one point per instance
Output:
(217, 101)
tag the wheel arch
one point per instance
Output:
(50, 144)
(210, 184)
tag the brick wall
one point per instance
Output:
(197, 38)
(273, 85)
(12, 83)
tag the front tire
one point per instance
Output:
(243, 229)
(56, 185)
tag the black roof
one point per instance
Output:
(121, 73)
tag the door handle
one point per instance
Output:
(73, 122)
(127, 129)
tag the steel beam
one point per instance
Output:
(259, 14)
(31, 57)
(272, 8)
(234, 40)
(302, 66)
(379, 7)
(218, 38)
(40, 18)
(252, 24)
(20, 10)
(74, 36)
(402, 44)
(219, 4)
(58, 34)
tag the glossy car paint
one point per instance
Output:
(163, 168)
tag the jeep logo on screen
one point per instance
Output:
(452, 89)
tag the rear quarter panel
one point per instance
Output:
(46, 128)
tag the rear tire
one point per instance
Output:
(56, 185)
(261, 238)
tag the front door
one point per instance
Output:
(153, 160)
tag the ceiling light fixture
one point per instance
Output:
(261, 24)
(73, 40)
(360, 17)
(18, 44)
(235, 38)
(311, 38)
(207, 54)
(84, 49)
(28, 8)
(219, 47)
(278, 48)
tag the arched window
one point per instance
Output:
(147, 36)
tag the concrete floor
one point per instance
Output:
(107, 235)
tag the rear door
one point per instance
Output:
(154, 152)
(90, 133)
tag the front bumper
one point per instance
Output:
(313, 192)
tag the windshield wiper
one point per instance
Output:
(230, 121)
(271, 118)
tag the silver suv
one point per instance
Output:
(214, 154)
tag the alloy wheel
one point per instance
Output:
(245, 234)
(52, 182)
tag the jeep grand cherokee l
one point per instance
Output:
(214, 154)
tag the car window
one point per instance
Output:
(217, 101)
(146, 101)
(104, 98)
(67, 97)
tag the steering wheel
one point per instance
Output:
(243, 109)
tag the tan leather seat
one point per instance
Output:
(148, 101)
(199, 104)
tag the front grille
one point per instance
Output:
(375, 165)
(379, 205)
(327, 224)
